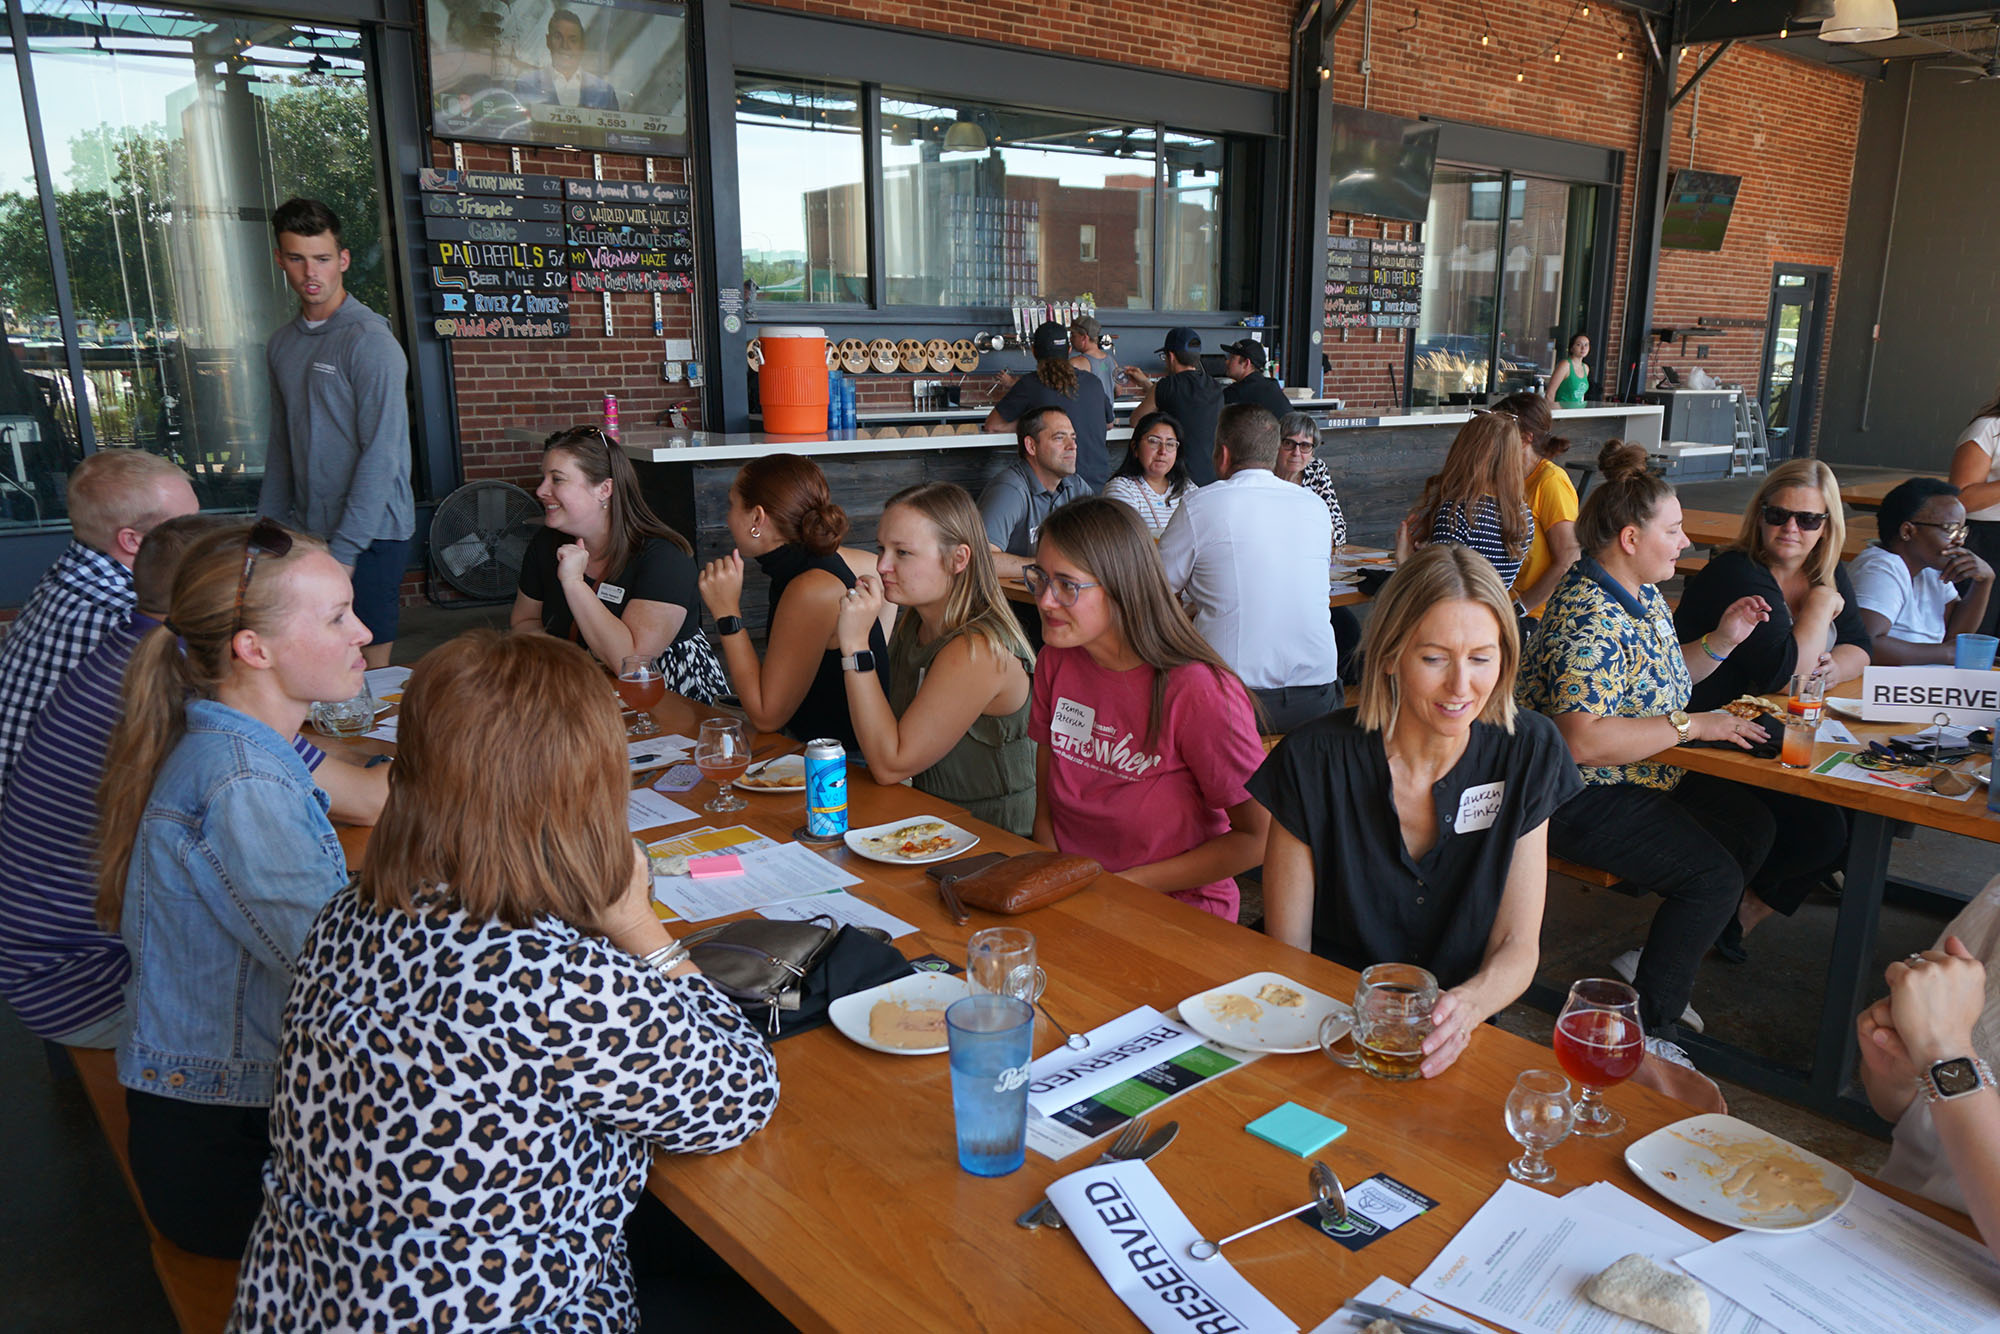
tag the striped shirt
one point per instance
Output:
(1481, 531)
(59, 971)
(83, 595)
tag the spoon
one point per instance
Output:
(1074, 1041)
(1328, 1198)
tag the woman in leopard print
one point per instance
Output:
(479, 1061)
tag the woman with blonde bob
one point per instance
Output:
(955, 718)
(491, 1034)
(1413, 826)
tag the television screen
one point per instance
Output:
(1697, 212)
(1380, 165)
(606, 75)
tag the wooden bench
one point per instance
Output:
(199, 1288)
(1591, 875)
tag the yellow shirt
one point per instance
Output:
(1552, 498)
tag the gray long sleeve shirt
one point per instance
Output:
(338, 465)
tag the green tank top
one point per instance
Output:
(991, 771)
(1569, 394)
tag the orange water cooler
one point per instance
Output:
(791, 383)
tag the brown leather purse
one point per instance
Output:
(1012, 885)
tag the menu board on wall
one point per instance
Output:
(498, 254)
(1373, 282)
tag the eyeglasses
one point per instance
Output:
(267, 538)
(1809, 521)
(1306, 444)
(1953, 532)
(1066, 589)
(1158, 440)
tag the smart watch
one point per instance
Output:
(1681, 724)
(864, 661)
(728, 625)
(1955, 1078)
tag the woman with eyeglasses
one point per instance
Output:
(216, 855)
(1298, 438)
(1145, 740)
(606, 572)
(1975, 471)
(1153, 478)
(1787, 554)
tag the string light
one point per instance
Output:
(1485, 38)
(1559, 57)
(1520, 76)
(1784, 31)
(1586, 9)
(1621, 55)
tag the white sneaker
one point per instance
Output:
(1626, 966)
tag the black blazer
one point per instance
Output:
(1766, 660)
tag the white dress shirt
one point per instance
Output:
(1250, 554)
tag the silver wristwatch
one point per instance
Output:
(1955, 1078)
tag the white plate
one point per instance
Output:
(787, 770)
(1277, 1028)
(1849, 709)
(850, 1013)
(961, 839)
(1983, 772)
(1681, 1162)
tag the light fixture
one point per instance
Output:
(964, 136)
(1621, 55)
(1520, 76)
(1859, 21)
(1485, 37)
(1559, 57)
(1586, 11)
(1784, 31)
(1811, 11)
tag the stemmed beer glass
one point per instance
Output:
(1600, 1044)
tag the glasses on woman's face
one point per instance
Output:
(1954, 533)
(267, 538)
(1066, 589)
(1809, 521)
(1300, 445)
(1161, 442)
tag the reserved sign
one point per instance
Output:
(1118, 1050)
(1920, 694)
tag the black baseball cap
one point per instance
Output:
(1249, 349)
(1182, 340)
(1050, 340)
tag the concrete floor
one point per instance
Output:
(76, 1259)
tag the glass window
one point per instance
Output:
(1534, 324)
(171, 136)
(1455, 329)
(801, 182)
(1192, 260)
(983, 206)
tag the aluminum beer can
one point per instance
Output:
(826, 789)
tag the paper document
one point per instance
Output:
(1835, 732)
(1118, 1050)
(384, 731)
(1387, 1292)
(770, 875)
(1876, 1267)
(647, 809)
(1841, 764)
(656, 752)
(384, 682)
(1138, 1238)
(843, 908)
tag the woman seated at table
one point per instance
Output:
(1943, 1008)
(955, 721)
(1359, 868)
(606, 572)
(1476, 500)
(1605, 666)
(1788, 555)
(1551, 499)
(1153, 477)
(216, 856)
(1145, 738)
(491, 1034)
(1904, 584)
(782, 515)
(1298, 438)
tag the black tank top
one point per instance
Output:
(823, 711)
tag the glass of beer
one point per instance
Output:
(1392, 1017)
(1599, 1044)
(722, 753)
(345, 717)
(640, 687)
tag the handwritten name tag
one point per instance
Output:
(1478, 807)
(611, 593)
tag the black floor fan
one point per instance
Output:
(478, 537)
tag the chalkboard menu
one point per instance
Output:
(1373, 282)
(507, 249)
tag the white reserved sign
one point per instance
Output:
(1126, 1046)
(1919, 694)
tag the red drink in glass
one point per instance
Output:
(1598, 1049)
(641, 695)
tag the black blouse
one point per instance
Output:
(823, 711)
(659, 571)
(1766, 660)
(1328, 784)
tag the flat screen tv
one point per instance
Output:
(1698, 207)
(605, 75)
(1380, 165)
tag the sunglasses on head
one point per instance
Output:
(1809, 521)
(267, 538)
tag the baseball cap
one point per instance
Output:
(1051, 340)
(1088, 326)
(1182, 340)
(1249, 349)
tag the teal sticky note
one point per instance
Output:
(1296, 1130)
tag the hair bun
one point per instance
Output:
(822, 527)
(1620, 462)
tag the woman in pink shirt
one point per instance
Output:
(1144, 737)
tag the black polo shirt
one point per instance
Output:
(1328, 784)
(1259, 390)
(1194, 400)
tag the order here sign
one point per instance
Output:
(1920, 694)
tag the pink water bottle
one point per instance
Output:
(611, 415)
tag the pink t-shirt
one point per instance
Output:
(1114, 798)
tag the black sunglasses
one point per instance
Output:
(1809, 520)
(267, 538)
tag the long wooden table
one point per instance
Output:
(1719, 528)
(1869, 495)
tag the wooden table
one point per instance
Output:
(1874, 809)
(1869, 495)
(1719, 528)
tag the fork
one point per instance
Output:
(1128, 1142)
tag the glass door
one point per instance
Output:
(1789, 389)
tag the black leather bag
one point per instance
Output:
(784, 975)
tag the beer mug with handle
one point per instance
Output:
(1392, 1017)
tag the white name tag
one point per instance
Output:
(611, 593)
(1478, 807)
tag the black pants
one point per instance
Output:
(200, 1170)
(1811, 840)
(1697, 847)
(1286, 707)
(1982, 537)
(1347, 643)
(679, 1283)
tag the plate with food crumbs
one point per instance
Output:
(901, 1018)
(911, 842)
(1732, 1172)
(1263, 1012)
(787, 773)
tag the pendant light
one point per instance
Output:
(1860, 21)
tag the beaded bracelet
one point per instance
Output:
(1719, 657)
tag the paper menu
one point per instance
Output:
(656, 752)
(771, 874)
(386, 683)
(1387, 1292)
(647, 809)
(843, 908)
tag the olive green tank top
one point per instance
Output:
(991, 771)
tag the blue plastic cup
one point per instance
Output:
(992, 1039)
(1974, 652)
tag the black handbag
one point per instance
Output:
(784, 975)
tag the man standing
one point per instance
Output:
(1084, 335)
(565, 82)
(1904, 583)
(1249, 553)
(338, 465)
(1015, 503)
(116, 497)
(1245, 368)
(1188, 394)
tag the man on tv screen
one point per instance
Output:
(564, 81)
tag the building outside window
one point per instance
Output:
(803, 190)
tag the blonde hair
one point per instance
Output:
(1434, 576)
(1484, 461)
(975, 605)
(1825, 557)
(115, 489)
(189, 657)
(512, 822)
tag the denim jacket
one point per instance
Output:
(234, 859)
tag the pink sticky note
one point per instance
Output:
(711, 868)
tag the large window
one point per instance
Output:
(38, 422)
(804, 201)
